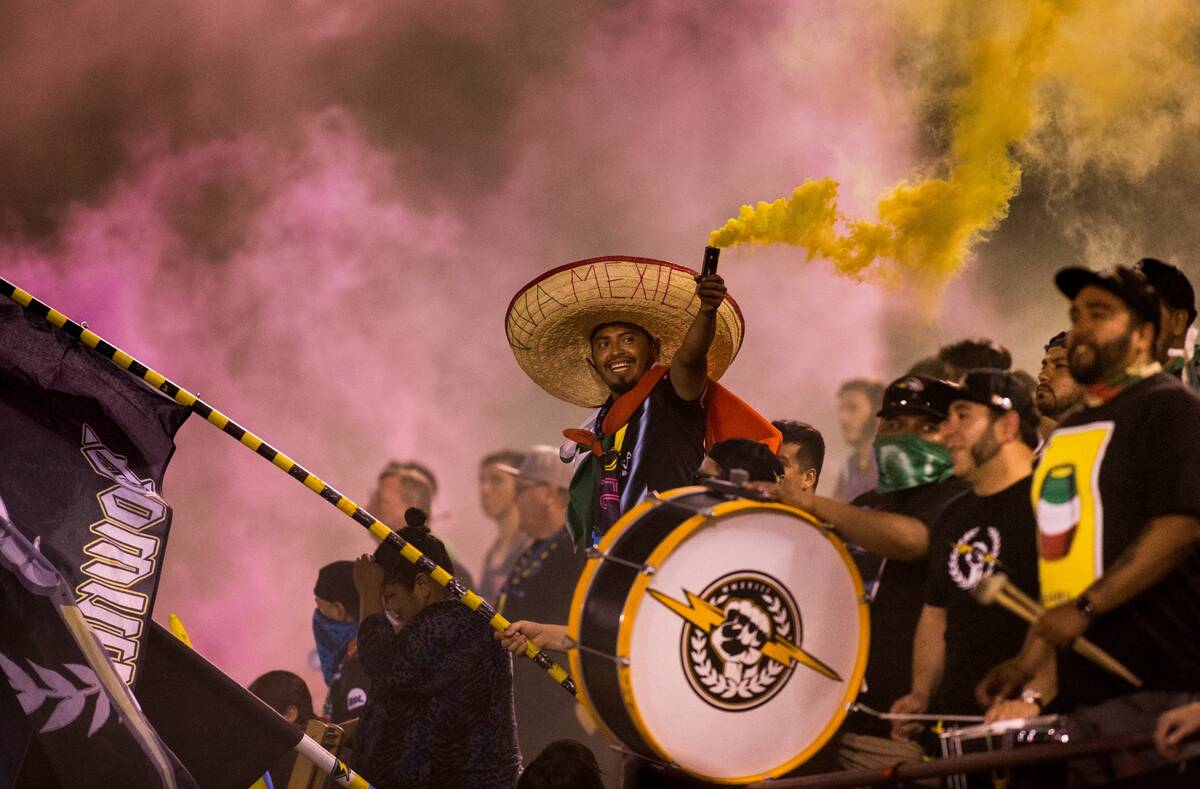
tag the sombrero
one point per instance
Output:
(550, 320)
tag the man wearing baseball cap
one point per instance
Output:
(539, 589)
(1176, 349)
(335, 631)
(542, 480)
(1117, 501)
(991, 432)
(892, 522)
(1057, 392)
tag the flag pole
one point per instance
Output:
(293, 469)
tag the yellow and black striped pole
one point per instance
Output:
(293, 469)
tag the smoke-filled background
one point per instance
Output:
(314, 215)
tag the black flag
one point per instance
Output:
(225, 736)
(83, 450)
(85, 445)
(61, 685)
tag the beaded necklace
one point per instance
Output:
(526, 567)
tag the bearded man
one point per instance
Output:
(991, 433)
(891, 522)
(1057, 392)
(1117, 498)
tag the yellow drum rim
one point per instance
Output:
(637, 593)
(584, 585)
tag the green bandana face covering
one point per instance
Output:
(908, 461)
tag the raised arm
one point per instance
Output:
(689, 367)
(368, 582)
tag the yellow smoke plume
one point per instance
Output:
(1099, 83)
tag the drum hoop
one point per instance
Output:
(584, 585)
(637, 592)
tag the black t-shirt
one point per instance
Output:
(976, 537)
(661, 448)
(1105, 473)
(542, 580)
(539, 588)
(897, 603)
(349, 689)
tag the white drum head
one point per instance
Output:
(745, 645)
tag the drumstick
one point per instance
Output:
(994, 589)
(998, 589)
(1019, 593)
(898, 716)
(1030, 610)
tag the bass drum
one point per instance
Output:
(724, 636)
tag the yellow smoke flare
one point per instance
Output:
(927, 228)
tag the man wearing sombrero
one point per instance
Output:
(593, 333)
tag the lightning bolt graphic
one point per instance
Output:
(698, 611)
(706, 616)
(963, 550)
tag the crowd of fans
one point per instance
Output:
(958, 470)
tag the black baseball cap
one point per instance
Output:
(1171, 284)
(918, 394)
(1128, 284)
(335, 583)
(1057, 341)
(1002, 391)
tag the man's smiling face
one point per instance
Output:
(621, 352)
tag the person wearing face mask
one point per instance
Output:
(991, 433)
(916, 483)
(335, 627)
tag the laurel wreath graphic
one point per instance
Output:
(58, 690)
(756, 680)
(968, 581)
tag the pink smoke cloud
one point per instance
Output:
(315, 215)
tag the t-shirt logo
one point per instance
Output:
(356, 698)
(974, 557)
(1058, 512)
(1070, 513)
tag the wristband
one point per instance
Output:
(1085, 606)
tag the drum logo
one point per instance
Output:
(740, 640)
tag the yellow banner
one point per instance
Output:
(1070, 513)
